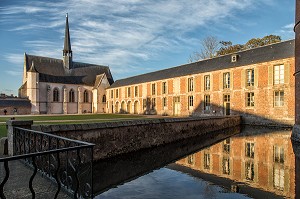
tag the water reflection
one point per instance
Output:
(259, 162)
(256, 158)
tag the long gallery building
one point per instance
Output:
(258, 84)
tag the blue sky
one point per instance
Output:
(131, 36)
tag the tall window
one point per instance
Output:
(191, 159)
(85, 96)
(278, 154)
(128, 92)
(153, 103)
(56, 95)
(249, 150)
(136, 91)
(71, 96)
(117, 93)
(278, 170)
(164, 88)
(250, 99)
(226, 80)
(190, 84)
(249, 170)
(111, 94)
(206, 160)
(226, 165)
(250, 77)
(144, 104)
(206, 102)
(278, 177)
(279, 74)
(226, 145)
(153, 89)
(190, 101)
(164, 102)
(206, 82)
(278, 98)
(103, 98)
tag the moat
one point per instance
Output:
(255, 162)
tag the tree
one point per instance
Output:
(227, 48)
(209, 47)
(254, 43)
(271, 39)
(266, 40)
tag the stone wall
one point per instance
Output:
(14, 106)
(113, 138)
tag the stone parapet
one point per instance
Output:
(10, 132)
(113, 138)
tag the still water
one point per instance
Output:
(254, 162)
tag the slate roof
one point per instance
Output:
(14, 102)
(52, 70)
(98, 80)
(257, 55)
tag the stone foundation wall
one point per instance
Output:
(113, 138)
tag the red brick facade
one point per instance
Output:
(261, 91)
(261, 167)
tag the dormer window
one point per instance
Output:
(234, 58)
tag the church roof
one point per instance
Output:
(14, 102)
(53, 71)
(253, 56)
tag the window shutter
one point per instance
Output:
(287, 73)
(202, 83)
(243, 172)
(231, 80)
(243, 76)
(270, 75)
(256, 77)
(221, 81)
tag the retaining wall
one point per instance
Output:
(113, 138)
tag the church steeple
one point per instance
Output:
(67, 52)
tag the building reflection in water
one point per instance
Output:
(259, 159)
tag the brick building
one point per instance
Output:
(265, 161)
(11, 105)
(256, 83)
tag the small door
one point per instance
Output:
(129, 107)
(117, 107)
(176, 106)
(135, 107)
(226, 106)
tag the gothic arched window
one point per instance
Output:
(71, 96)
(85, 96)
(56, 95)
(103, 98)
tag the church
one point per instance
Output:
(62, 86)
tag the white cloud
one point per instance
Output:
(14, 73)
(119, 33)
(286, 32)
(14, 58)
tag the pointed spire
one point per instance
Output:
(67, 44)
(32, 68)
(67, 52)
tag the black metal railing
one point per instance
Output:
(68, 163)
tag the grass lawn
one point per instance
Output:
(65, 119)
(2, 130)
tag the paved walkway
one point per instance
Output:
(17, 185)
